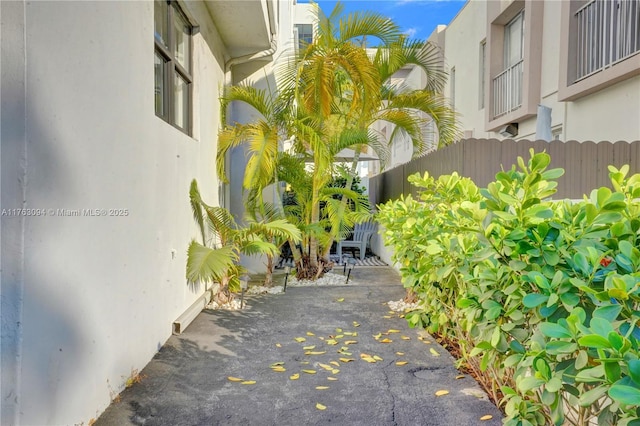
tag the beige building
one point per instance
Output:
(108, 111)
(580, 59)
(542, 69)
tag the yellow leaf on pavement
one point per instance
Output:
(377, 358)
(434, 352)
(320, 406)
(401, 363)
(487, 417)
(393, 331)
(399, 353)
(332, 342)
(300, 339)
(310, 333)
(386, 316)
(461, 376)
(350, 342)
(309, 371)
(248, 382)
(279, 369)
(356, 324)
(315, 352)
(234, 379)
(335, 371)
(386, 340)
(294, 376)
(308, 348)
(442, 392)
(340, 300)
(322, 387)
(347, 359)
(338, 330)
(278, 345)
(333, 379)
(336, 363)
(277, 364)
(325, 366)
(405, 337)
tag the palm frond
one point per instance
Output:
(196, 207)
(206, 264)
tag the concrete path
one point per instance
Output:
(187, 381)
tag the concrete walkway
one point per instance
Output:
(187, 381)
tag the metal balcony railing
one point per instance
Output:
(608, 31)
(507, 90)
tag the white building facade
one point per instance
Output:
(578, 59)
(109, 110)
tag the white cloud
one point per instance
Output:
(411, 32)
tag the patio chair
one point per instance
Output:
(361, 235)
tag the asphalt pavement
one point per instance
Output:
(347, 360)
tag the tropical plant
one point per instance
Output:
(216, 258)
(541, 296)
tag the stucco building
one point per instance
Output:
(109, 110)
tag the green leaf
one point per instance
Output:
(554, 330)
(206, 264)
(529, 383)
(634, 370)
(626, 395)
(594, 341)
(609, 313)
(533, 300)
(612, 371)
(589, 397)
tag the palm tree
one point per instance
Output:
(216, 258)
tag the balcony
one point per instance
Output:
(507, 90)
(607, 33)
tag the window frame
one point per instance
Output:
(173, 68)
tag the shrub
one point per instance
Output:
(541, 296)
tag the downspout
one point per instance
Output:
(224, 189)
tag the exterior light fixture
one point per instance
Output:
(510, 130)
(244, 284)
(287, 270)
(350, 265)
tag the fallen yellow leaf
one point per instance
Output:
(377, 336)
(401, 363)
(346, 359)
(377, 358)
(340, 300)
(332, 342)
(279, 369)
(336, 363)
(338, 330)
(308, 348)
(350, 342)
(335, 371)
(234, 379)
(304, 362)
(461, 376)
(248, 382)
(339, 336)
(356, 324)
(278, 345)
(487, 417)
(294, 376)
(300, 339)
(399, 353)
(333, 379)
(325, 366)
(309, 371)
(393, 331)
(320, 406)
(315, 352)
(386, 316)
(386, 340)
(348, 333)
(322, 387)
(405, 337)
(434, 352)
(442, 392)
(277, 364)
(310, 333)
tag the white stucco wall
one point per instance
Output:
(95, 296)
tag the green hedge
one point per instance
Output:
(543, 297)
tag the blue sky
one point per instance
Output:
(418, 18)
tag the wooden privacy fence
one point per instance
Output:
(585, 165)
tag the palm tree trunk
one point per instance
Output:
(343, 202)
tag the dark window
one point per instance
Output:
(173, 76)
(305, 35)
